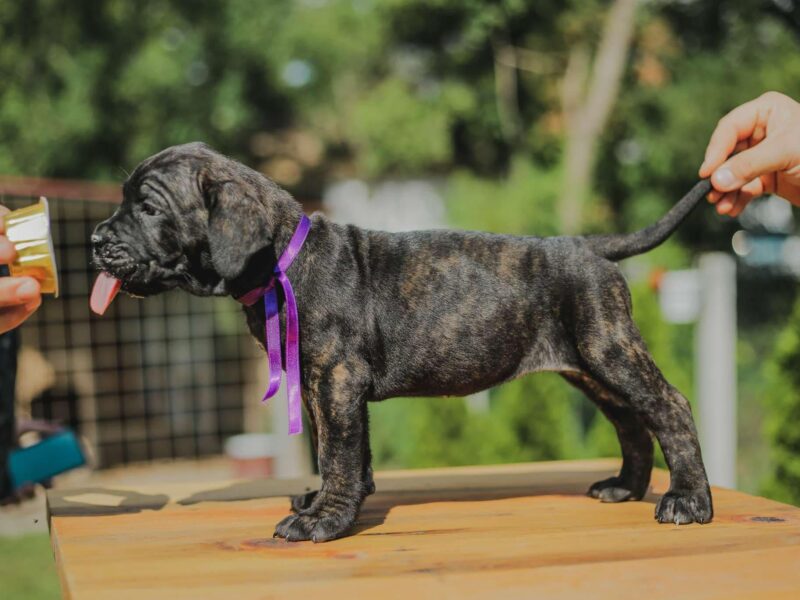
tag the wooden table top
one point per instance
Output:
(511, 531)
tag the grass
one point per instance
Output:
(27, 568)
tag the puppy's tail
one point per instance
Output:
(618, 246)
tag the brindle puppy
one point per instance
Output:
(422, 313)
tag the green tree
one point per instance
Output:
(783, 423)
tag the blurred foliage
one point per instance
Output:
(783, 425)
(521, 203)
(402, 86)
(308, 91)
(531, 418)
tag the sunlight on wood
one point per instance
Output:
(522, 530)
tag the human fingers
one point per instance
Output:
(770, 156)
(7, 251)
(17, 291)
(749, 191)
(714, 196)
(11, 318)
(738, 125)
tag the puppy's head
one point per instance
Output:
(194, 219)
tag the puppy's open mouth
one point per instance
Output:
(107, 286)
(138, 280)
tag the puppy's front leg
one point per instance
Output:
(338, 403)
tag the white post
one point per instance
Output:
(289, 451)
(716, 367)
(292, 458)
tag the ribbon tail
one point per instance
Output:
(273, 342)
(292, 358)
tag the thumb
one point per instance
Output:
(769, 156)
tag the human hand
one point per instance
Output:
(755, 150)
(19, 296)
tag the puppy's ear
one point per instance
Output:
(237, 226)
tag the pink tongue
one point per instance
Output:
(103, 293)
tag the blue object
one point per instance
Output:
(53, 455)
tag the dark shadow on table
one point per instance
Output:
(392, 491)
(377, 507)
(422, 489)
(243, 490)
(60, 505)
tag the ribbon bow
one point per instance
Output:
(273, 327)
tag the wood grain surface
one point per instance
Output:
(510, 531)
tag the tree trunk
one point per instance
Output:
(505, 82)
(586, 110)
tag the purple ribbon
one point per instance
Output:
(273, 327)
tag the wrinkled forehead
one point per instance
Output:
(170, 176)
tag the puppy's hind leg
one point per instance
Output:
(613, 352)
(634, 440)
(616, 355)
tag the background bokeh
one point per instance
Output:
(527, 117)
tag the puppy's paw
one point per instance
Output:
(317, 527)
(293, 528)
(328, 517)
(616, 489)
(682, 506)
(303, 501)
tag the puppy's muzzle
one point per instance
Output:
(112, 256)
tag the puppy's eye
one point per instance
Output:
(150, 209)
